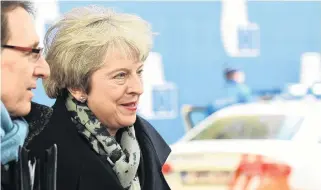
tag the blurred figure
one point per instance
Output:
(235, 91)
(236, 87)
(96, 59)
(21, 66)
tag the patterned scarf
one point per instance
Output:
(124, 157)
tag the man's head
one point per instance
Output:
(235, 75)
(21, 60)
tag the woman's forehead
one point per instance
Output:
(121, 62)
(121, 54)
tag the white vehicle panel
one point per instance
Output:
(220, 157)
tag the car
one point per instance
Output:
(278, 132)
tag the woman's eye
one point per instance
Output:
(120, 76)
(140, 72)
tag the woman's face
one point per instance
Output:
(115, 91)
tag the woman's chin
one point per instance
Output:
(128, 121)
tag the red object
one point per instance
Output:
(276, 169)
(166, 169)
(273, 176)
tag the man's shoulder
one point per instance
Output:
(38, 119)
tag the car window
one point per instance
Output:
(251, 127)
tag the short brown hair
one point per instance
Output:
(7, 6)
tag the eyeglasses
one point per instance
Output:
(35, 53)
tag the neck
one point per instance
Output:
(112, 131)
(5, 117)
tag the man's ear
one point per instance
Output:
(78, 94)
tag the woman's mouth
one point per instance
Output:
(131, 106)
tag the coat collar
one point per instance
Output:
(38, 118)
(159, 145)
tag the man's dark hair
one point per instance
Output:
(7, 6)
(229, 73)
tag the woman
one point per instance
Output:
(96, 59)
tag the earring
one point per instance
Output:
(82, 99)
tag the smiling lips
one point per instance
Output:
(131, 106)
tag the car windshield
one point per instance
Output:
(252, 127)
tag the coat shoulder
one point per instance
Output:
(38, 119)
(161, 147)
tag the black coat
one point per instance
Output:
(79, 167)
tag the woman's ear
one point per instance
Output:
(78, 94)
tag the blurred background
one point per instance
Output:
(227, 74)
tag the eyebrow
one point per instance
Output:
(117, 70)
(123, 69)
(140, 66)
